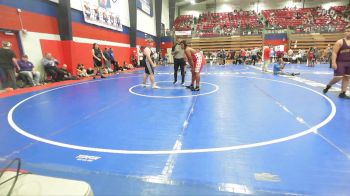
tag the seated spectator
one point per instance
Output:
(117, 67)
(105, 70)
(131, 66)
(134, 61)
(81, 71)
(65, 74)
(90, 71)
(125, 66)
(128, 66)
(27, 73)
(50, 66)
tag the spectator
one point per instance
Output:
(117, 67)
(90, 71)
(81, 71)
(8, 63)
(134, 61)
(272, 54)
(97, 59)
(141, 61)
(127, 66)
(311, 57)
(27, 73)
(290, 54)
(155, 57)
(266, 58)
(50, 66)
(329, 55)
(65, 74)
(254, 55)
(107, 56)
(112, 56)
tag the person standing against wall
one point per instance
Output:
(97, 59)
(107, 60)
(8, 63)
(179, 61)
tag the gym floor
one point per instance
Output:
(244, 132)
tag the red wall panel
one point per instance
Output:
(13, 40)
(166, 45)
(73, 53)
(143, 42)
(32, 22)
(55, 48)
(81, 53)
(94, 32)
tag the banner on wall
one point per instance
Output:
(182, 32)
(146, 6)
(103, 13)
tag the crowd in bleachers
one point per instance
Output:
(242, 56)
(239, 22)
(251, 56)
(183, 23)
(307, 20)
(227, 23)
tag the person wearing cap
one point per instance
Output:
(26, 71)
(8, 63)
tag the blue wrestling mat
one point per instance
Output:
(244, 132)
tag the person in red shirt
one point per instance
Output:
(196, 60)
(266, 58)
(244, 55)
(311, 57)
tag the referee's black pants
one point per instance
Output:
(179, 63)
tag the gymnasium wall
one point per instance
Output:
(39, 20)
(165, 13)
(41, 33)
(146, 23)
(124, 9)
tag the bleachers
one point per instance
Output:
(227, 43)
(307, 20)
(320, 41)
(302, 20)
(227, 23)
(183, 23)
(216, 31)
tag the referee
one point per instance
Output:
(179, 61)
